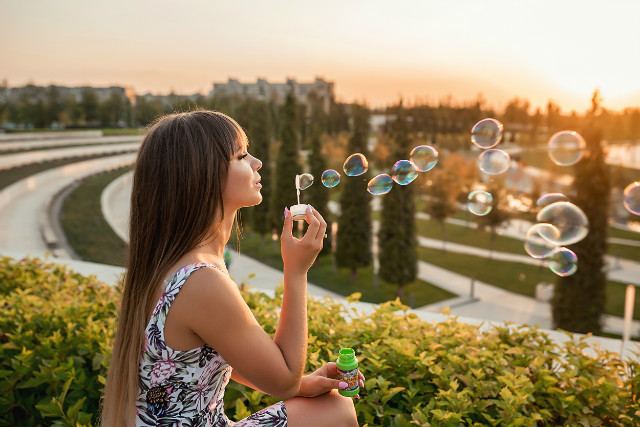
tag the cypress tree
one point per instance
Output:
(317, 195)
(397, 236)
(579, 300)
(353, 246)
(499, 211)
(287, 164)
(259, 132)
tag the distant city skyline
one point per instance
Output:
(374, 51)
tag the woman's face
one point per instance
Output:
(243, 181)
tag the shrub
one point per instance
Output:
(55, 338)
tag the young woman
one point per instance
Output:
(184, 330)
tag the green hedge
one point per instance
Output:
(56, 328)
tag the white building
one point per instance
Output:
(305, 93)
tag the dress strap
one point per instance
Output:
(172, 287)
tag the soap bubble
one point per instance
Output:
(479, 202)
(632, 197)
(487, 133)
(536, 245)
(547, 199)
(566, 217)
(330, 178)
(424, 157)
(494, 161)
(404, 172)
(304, 181)
(356, 164)
(564, 262)
(379, 185)
(566, 147)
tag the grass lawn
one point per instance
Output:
(624, 234)
(339, 281)
(515, 277)
(9, 176)
(87, 231)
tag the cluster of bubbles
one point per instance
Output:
(421, 159)
(560, 223)
(486, 134)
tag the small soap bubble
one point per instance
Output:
(330, 178)
(304, 181)
(424, 157)
(632, 197)
(479, 202)
(536, 245)
(547, 199)
(494, 161)
(487, 133)
(564, 262)
(404, 172)
(379, 185)
(356, 164)
(566, 147)
(566, 217)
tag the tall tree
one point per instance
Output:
(353, 245)
(499, 211)
(397, 235)
(259, 132)
(287, 161)
(317, 194)
(579, 300)
(441, 191)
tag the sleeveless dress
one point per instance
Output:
(186, 388)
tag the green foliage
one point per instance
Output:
(397, 235)
(56, 328)
(579, 300)
(287, 162)
(353, 245)
(55, 342)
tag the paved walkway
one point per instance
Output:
(28, 157)
(23, 203)
(10, 145)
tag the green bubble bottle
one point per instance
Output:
(348, 371)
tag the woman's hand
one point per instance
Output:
(323, 381)
(299, 254)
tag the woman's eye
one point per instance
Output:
(242, 156)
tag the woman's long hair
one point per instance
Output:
(178, 180)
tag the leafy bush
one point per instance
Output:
(55, 338)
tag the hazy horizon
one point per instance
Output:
(374, 51)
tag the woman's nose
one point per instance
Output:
(258, 163)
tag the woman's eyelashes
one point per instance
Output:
(242, 156)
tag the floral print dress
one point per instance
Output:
(186, 388)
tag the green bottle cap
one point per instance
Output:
(347, 364)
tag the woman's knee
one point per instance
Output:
(330, 409)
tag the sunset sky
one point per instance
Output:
(373, 50)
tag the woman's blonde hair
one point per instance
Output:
(178, 180)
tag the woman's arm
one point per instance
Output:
(219, 316)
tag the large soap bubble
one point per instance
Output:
(404, 172)
(479, 202)
(424, 157)
(304, 181)
(330, 178)
(536, 245)
(564, 262)
(566, 147)
(547, 199)
(494, 161)
(631, 199)
(356, 164)
(379, 185)
(566, 217)
(487, 133)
